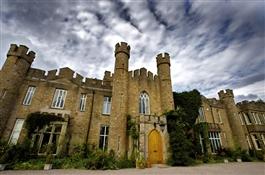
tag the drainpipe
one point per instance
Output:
(91, 114)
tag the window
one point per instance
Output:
(106, 105)
(247, 118)
(103, 137)
(82, 106)
(256, 141)
(3, 94)
(16, 131)
(28, 97)
(201, 142)
(249, 144)
(215, 141)
(256, 118)
(59, 98)
(144, 104)
(48, 135)
(219, 116)
(241, 118)
(201, 115)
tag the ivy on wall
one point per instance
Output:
(39, 120)
(183, 141)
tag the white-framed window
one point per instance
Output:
(219, 116)
(201, 142)
(144, 106)
(3, 94)
(106, 105)
(247, 118)
(59, 98)
(201, 115)
(103, 137)
(256, 142)
(28, 97)
(256, 118)
(82, 105)
(16, 131)
(241, 118)
(249, 144)
(215, 141)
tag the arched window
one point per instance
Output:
(144, 107)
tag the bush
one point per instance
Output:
(125, 163)
(33, 164)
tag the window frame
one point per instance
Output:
(11, 137)
(256, 142)
(105, 136)
(29, 95)
(215, 141)
(144, 104)
(58, 98)
(82, 104)
(106, 107)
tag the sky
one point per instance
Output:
(214, 45)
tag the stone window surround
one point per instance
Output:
(144, 103)
(106, 107)
(16, 131)
(29, 95)
(82, 106)
(59, 97)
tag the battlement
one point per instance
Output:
(142, 73)
(252, 105)
(122, 47)
(69, 74)
(22, 52)
(163, 59)
(226, 93)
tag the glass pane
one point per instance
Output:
(101, 142)
(58, 128)
(44, 143)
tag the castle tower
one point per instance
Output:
(119, 107)
(227, 99)
(163, 71)
(12, 75)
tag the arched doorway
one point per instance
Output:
(155, 155)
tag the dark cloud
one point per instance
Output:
(213, 45)
(248, 97)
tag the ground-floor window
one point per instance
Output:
(256, 142)
(49, 135)
(16, 131)
(103, 137)
(215, 141)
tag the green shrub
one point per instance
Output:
(125, 163)
(33, 164)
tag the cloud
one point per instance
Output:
(248, 97)
(213, 46)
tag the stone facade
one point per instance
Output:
(108, 102)
(233, 125)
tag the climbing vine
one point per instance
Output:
(39, 120)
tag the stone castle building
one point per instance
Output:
(95, 111)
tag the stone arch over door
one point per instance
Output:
(155, 147)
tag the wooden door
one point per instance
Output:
(155, 155)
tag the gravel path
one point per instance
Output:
(252, 168)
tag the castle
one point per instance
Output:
(96, 111)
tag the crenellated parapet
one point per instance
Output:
(163, 59)
(227, 93)
(122, 47)
(142, 74)
(69, 74)
(21, 51)
(251, 105)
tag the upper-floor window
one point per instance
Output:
(241, 118)
(247, 118)
(256, 118)
(201, 117)
(59, 98)
(103, 137)
(144, 106)
(219, 117)
(82, 106)
(16, 131)
(28, 97)
(106, 105)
